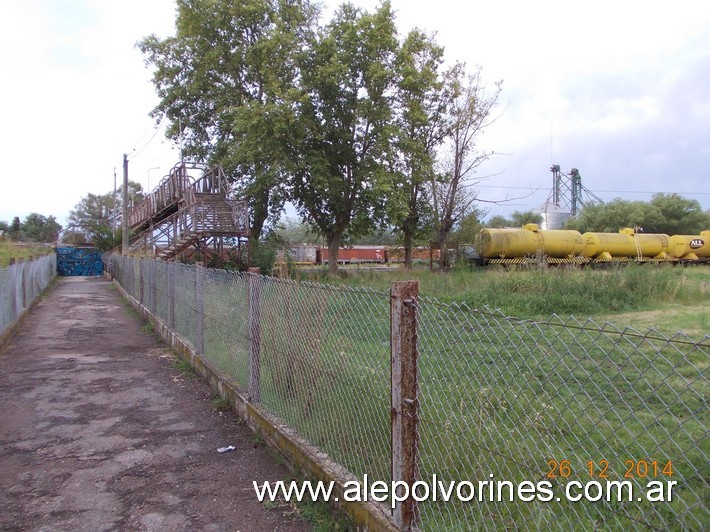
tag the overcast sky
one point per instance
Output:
(618, 89)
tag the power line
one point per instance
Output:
(601, 190)
(656, 192)
(136, 153)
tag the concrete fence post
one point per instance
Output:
(254, 297)
(199, 309)
(27, 283)
(405, 405)
(24, 288)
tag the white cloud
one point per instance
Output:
(79, 98)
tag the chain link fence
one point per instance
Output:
(323, 352)
(561, 402)
(20, 284)
(502, 402)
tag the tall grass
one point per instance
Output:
(14, 250)
(534, 293)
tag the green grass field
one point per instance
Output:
(505, 397)
(13, 250)
(671, 298)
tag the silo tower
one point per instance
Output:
(567, 197)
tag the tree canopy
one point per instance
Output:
(96, 218)
(35, 228)
(39, 228)
(669, 214)
(225, 82)
(423, 99)
(340, 183)
(345, 120)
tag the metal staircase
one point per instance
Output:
(182, 212)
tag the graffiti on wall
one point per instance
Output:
(79, 262)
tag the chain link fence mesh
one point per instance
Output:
(21, 283)
(325, 369)
(323, 351)
(506, 399)
(503, 401)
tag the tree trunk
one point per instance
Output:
(443, 256)
(407, 249)
(333, 247)
(260, 212)
(443, 249)
(410, 225)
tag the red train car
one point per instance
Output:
(419, 253)
(355, 255)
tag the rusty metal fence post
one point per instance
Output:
(404, 412)
(199, 309)
(254, 296)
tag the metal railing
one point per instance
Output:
(181, 210)
(401, 387)
(20, 284)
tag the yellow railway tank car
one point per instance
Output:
(528, 241)
(690, 247)
(625, 244)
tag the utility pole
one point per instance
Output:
(124, 211)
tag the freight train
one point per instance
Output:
(532, 245)
(305, 254)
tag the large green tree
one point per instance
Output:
(225, 82)
(16, 228)
(341, 183)
(421, 103)
(40, 228)
(679, 215)
(519, 219)
(97, 216)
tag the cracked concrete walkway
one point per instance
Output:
(98, 430)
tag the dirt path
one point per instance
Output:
(98, 431)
